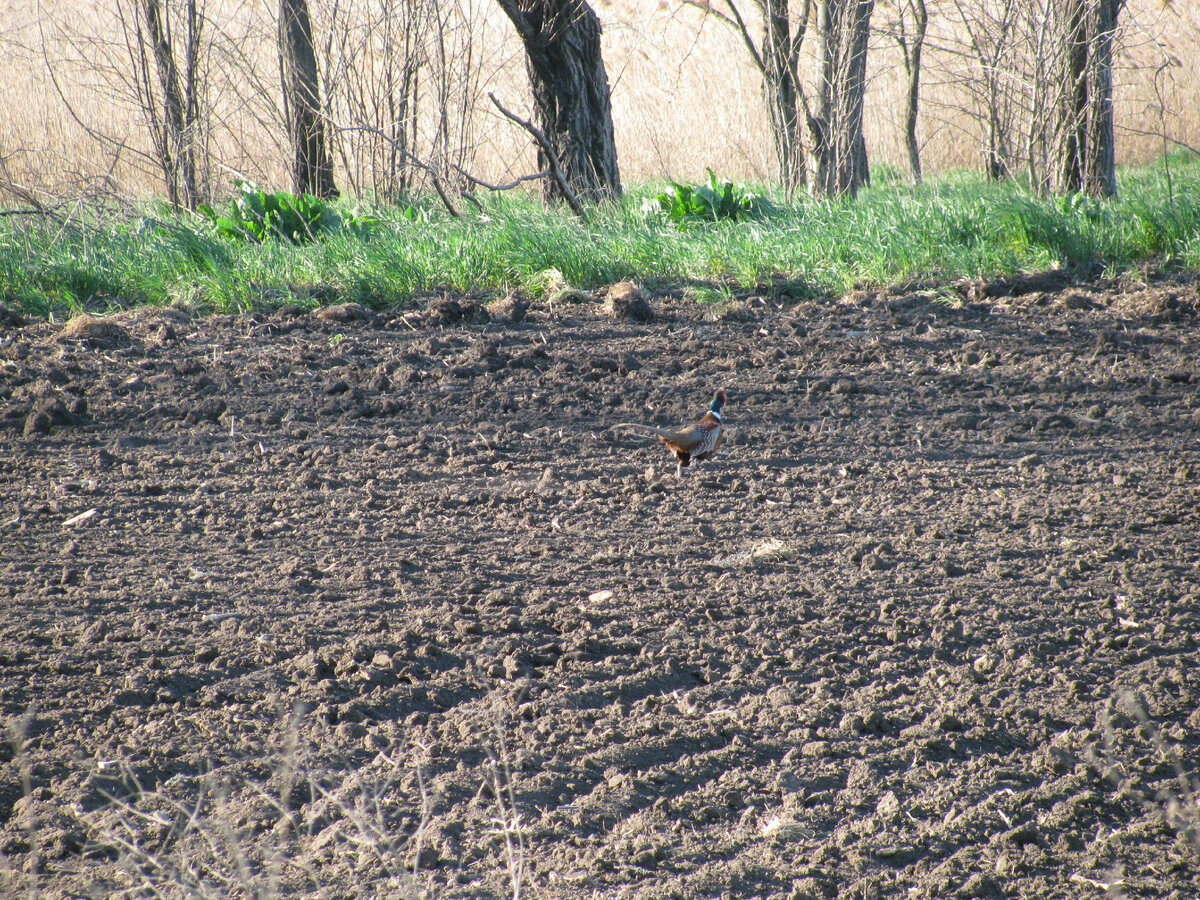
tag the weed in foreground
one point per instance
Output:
(308, 823)
(256, 215)
(296, 832)
(1142, 764)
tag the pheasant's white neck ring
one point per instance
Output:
(716, 415)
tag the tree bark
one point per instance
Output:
(839, 149)
(312, 166)
(1100, 171)
(1074, 100)
(571, 96)
(995, 164)
(781, 81)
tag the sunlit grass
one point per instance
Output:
(957, 226)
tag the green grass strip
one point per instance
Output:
(955, 226)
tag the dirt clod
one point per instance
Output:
(626, 300)
(342, 312)
(99, 333)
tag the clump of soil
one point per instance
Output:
(10, 318)
(626, 300)
(510, 308)
(304, 605)
(342, 312)
(98, 333)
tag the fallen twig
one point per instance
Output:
(82, 517)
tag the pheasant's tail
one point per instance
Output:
(648, 430)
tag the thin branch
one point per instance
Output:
(551, 156)
(1129, 129)
(708, 10)
(749, 41)
(499, 187)
(95, 135)
(735, 22)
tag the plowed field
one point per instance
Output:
(377, 605)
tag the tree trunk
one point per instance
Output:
(1072, 131)
(912, 66)
(1100, 171)
(570, 94)
(173, 134)
(836, 129)
(312, 167)
(780, 61)
(995, 163)
(1085, 145)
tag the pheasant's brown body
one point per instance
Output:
(698, 442)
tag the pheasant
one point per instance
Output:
(698, 442)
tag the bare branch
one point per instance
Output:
(551, 157)
(94, 134)
(708, 10)
(500, 187)
(1129, 129)
(745, 32)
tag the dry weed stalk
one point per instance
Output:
(18, 730)
(1178, 803)
(214, 845)
(507, 819)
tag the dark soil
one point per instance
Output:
(307, 603)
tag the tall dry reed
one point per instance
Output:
(685, 95)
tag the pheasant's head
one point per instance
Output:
(717, 401)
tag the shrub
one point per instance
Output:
(257, 215)
(710, 202)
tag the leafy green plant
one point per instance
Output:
(256, 215)
(712, 202)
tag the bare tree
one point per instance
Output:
(181, 74)
(168, 83)
(835, 151)
(838, 147)
(777, 58)
(786, 102)
(375, 91)
(908, 29)
(1008, 51)
(1041, 75)
(1085, 118)
(312, 167)
(401, 88)
(570, 94)
(1100, 168)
